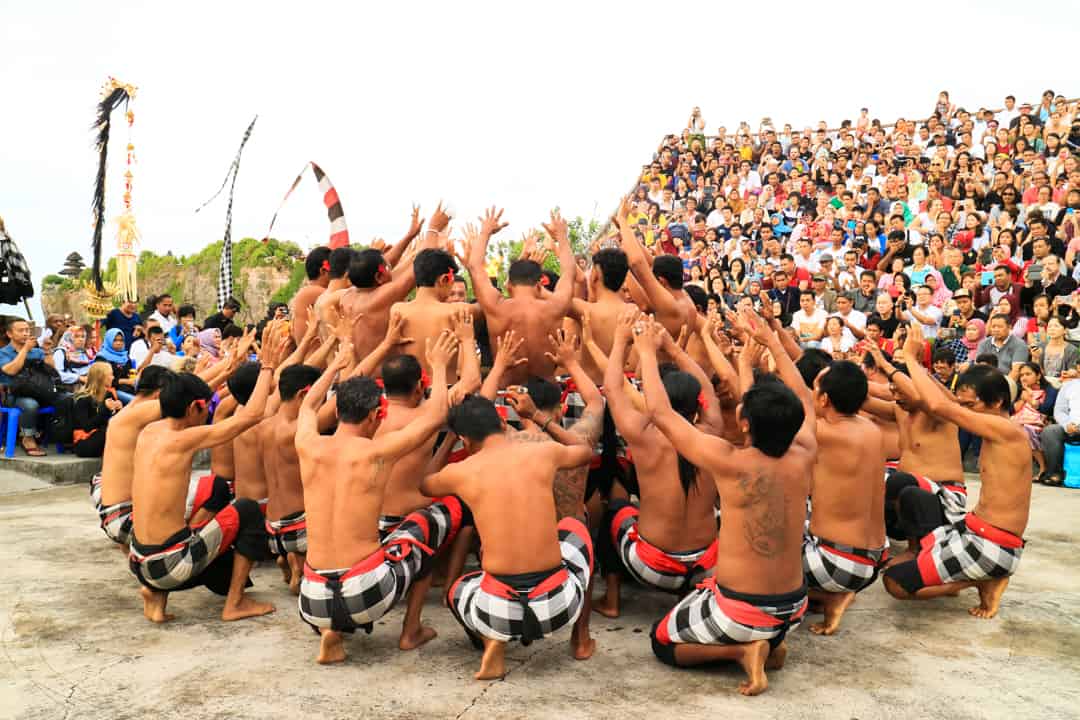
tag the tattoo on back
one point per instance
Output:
(377, 466)
(765, 521)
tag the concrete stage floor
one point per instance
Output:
(75, 645)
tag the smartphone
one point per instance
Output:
(1035, 271)
(986, 277)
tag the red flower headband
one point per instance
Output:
(701, 401)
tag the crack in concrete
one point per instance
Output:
(491, 684)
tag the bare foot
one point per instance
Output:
(283, 565)
(414, 639)
(154, 605)
(834, 606)
(582, 649)
(493, 664)
(753, 663)
(245, 608)
(295, 566)
(331, 649)
(990, 592)
(777, 656)
(607, 607)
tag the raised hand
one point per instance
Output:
(507, 347)
(517, 397)
(344, 355)
(440, 352)
(462, 321)
(913, 345)
(416, 223)
(491, 222)
(621, 215)
(646, 337)
(470, 239)
(624, 325)
(564, 347)
(767, 313)
(395, 329)
(755, 326)
(439, 219)
(557, 229)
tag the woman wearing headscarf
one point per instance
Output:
(71, 359)
(114, 352)
(964, 347)
(210, 344)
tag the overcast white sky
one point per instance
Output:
(526, 106)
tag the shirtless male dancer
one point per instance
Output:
(111, 488)
(352, 577)
(538, 404)
(286, 524)
(929, 454)
(983, 549)
(758, 592)
(167, 554)
(317, 269)
(668, 540)
(845, 545)
(430, 313)
(328, 305)
(606, 279)
(378, 284)
(530, 311)
(536, 568)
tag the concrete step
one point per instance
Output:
(66, 469)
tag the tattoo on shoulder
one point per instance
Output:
(765, 521)
(527, 437)
(377, 466)
(589, 426)
(570, 491)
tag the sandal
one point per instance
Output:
(35, 451)
(1041, 478)
(1054, 480)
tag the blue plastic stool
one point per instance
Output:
(1072, 465)
(9, 428)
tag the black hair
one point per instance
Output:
(812, 362)
(179, 391)
(161, 297)
(524, 272)
(845, 385)
(944, 354)
(430, 265)
(545, 394)
(231, 330)
(295, 378)
(232, 304)
(775, 415)
(986, 358)
(989, 385)
(475, 419)
(897, 235)
(242, 382)
(401, 374)
(669, 268)
(683, 390)
(699, 297)
(364, 267)
(151, 379)
(186, 311)
(356, 398)
(313, 263)
(154, 330)
(551, 277)
(613, 267)
(272, 308)
(339, 261)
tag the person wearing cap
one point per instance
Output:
(824, 296)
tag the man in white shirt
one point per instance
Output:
(1009, 114)
(809, 321)
(854, 321)
(804, 258)
(164, 313)
(924, 312)
(1066, 426)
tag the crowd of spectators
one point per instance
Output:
(966, 222)
(86, 373)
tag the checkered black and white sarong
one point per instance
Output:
(648, 564)
(971, 549)
(953, 496)
(178, 563)
(115, 519)
(388, 524)
(837, 568)
(350, 598)
(713, 615)
(531, 606)
(288, 535)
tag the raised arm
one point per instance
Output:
(393, 338)
(723, 367)
(940, 403)
(393, 255)
(586, 431)
(307, 423)
(701, 449)
(468, 361)
(475, 247)
(630, 418)
(563, 294)
(660, 298)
